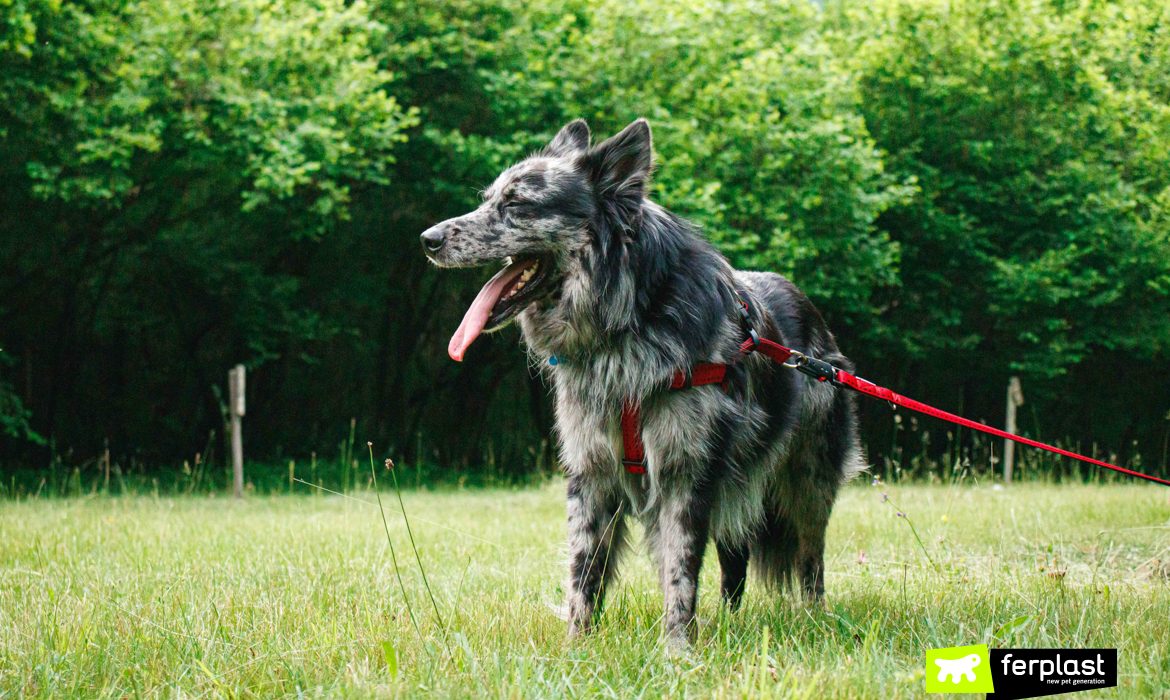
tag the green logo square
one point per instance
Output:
(959, 670)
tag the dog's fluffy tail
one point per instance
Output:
(773, 554)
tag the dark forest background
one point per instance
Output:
(968, 190)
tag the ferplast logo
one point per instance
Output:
(959, 670)
(1031, 673)
(1008, 674)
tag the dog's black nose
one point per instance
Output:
(434, 238)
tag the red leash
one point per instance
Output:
(869, 388)
(705, 373)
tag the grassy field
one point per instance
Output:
(297, 595)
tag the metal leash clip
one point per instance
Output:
(817, 369)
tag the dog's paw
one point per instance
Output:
(579, 629)
(677, 648)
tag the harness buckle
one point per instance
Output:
(745, 320)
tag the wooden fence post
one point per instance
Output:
(106, 464)
(236, 410)
(1015, 397)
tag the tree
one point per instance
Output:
(173, 162)
(1039, 244)
(757, 125)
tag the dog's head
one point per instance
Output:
(538, 215)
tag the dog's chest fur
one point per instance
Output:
(702, 434)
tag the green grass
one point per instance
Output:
(291, 595)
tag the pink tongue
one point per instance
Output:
(479, 311)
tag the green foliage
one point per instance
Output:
(174, 162)
(13, 415)
(280, 106)
(788, 181)
(966, 190)
(18, 24)
(1038, 134)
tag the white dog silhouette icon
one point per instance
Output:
(957, 668)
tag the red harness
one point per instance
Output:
(634, 454)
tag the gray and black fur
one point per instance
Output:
(629, 293)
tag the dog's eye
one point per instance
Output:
(514, 205)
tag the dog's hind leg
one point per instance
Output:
(831, 459)
(596, 535)
(810, 558)
(733, 563)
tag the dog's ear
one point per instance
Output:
(620, 165)
(620, 170)
(572, 138)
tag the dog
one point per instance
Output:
(621, 295)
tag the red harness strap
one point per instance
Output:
(775, 351)
(633, 452)
(701, 374)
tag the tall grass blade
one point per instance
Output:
(393, 555)
(410, 535)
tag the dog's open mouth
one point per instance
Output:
(505, 295)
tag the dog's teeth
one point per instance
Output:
(520, 282)
(512, 292)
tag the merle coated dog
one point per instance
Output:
(623, 294)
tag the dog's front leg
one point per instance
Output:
(679, 538)
(596, 533)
